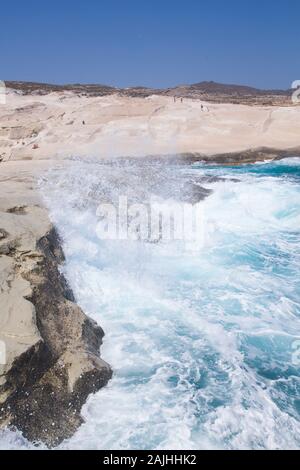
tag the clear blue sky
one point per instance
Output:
(157, 43)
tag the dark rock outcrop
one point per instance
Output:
(45, 385)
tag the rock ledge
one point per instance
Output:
(52, 348)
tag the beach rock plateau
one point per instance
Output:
(49, 348)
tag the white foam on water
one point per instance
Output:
(200, 342)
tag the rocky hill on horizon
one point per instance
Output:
(206, 91)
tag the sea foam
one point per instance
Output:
(201, 342)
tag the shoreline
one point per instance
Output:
(34, 379)
(54, 131)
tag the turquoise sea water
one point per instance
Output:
(203, 342)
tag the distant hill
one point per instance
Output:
(223, 93)
(28, 88)
(221, 88)
(206, 91)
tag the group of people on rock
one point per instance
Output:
(180, 98)
(203, 108)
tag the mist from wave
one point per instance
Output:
(201, 342)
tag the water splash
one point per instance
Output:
(200, 342)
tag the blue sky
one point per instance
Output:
(151, 42)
